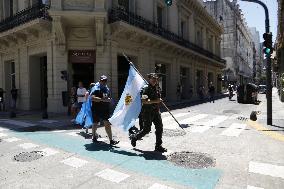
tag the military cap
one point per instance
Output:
(103, 77)
(153, 75)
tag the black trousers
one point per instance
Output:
(148, 118)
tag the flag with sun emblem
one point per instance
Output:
(129, 105)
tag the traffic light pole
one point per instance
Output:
(268, 66)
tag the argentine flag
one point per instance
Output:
(129, 105)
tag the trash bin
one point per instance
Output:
(247, 93)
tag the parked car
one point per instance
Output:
(247, 93)
(262, 89)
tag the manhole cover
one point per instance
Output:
(192, 160)
(28, 156)
(172, 133)
(231, 111)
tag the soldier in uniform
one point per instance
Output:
(151, 99)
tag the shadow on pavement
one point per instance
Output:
(148, 155)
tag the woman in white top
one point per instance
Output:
(81, 92)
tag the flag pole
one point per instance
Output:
(131, 64)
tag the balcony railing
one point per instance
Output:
(120, 14)
(24, 16)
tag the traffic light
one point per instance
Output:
(267, 44)
(168, 2)
(64, 75)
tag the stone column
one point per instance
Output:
(24, 83)
(15, 6)
(1, 10)
(191, 29)
(1, 71)
(204, 38)
(114, 74)
(58, 58)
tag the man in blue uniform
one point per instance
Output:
(100, 94)
(151, 98)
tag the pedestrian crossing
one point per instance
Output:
(118, 176)
(77, 163)
(202, 123)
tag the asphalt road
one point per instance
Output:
(220, 149)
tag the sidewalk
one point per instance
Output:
(277, 111)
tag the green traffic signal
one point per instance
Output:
(168, 2)
(267, 44)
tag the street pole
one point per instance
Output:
(268, 66)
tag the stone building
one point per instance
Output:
(258, 59)
(79, 40)
(279, 67)
(237, 43)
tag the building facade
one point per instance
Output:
(47, 48)
(279, 67)
(237, 44)
(258, 56)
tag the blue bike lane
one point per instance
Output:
(127, 159)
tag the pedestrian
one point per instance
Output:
(73, 103)
(100, 94)
(201, 92)
(81, 92)
(211, 91)
(151, 98)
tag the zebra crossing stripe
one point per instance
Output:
(111, 175)
(234, 130)
(266, 169)
(48, 151)
(13, 139)
(169, 117)
(253, 187)
(74, 162)
(194, 118)
(28, 145)
(1, 129)
(159, 186)
(3, 135)
(207, 125)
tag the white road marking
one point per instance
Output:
(253, 187)
(193, 118)
(75, 162)
(13, 139)
(73, 134)
(48, 121)
(58, 131)
(102, 139)
(159, 186)
(170, 118)
(234, 130)
(1, 129)
(207, 125)
(266, 169)
(28, 145)
(19, 123)
(113, 176)
(3, 135)
(125, 145)
(48, 151)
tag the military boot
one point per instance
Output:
(160, 149)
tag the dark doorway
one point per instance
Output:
(83, 72)
(122, 71)
(43, 81)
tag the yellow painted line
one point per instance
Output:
(263, 129)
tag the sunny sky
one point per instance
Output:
(255, 17)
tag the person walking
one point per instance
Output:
(100, 95)
(151, 98)
(211, 91)
(73, 103)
